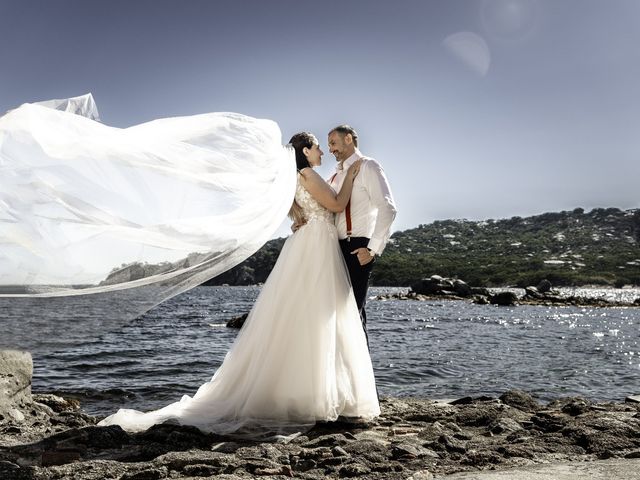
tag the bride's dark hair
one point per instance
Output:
(299, 142)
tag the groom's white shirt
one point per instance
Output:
(372, 205)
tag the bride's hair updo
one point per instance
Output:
(299, 142)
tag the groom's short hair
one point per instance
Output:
(344, 129)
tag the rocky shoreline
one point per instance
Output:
(49, 437)
(440, 288)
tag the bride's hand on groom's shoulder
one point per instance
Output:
(354, 168)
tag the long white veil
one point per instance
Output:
(99, 224)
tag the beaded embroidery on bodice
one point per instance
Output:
(311, 209)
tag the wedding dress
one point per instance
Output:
(300, 357)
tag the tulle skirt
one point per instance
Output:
(301, 356)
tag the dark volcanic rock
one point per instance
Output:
(56, 403)
(452, 444)
(430, 286)
(147, 474)
(505, 425)
(455, 289)
(478, 415)
(544, 286)
(481, 300)
(407, 450)
(461, 288)
(369, 449)
(550, 421)
(237, 322)
(201, 470)
(610, 434)
(439, 286)
(484, 292)
(327, 441)
(353, 470)
(462, 401)
(9, 470)
(520, 400)
(182, 461)
(504, 299)
(533, 293)
(575, 407)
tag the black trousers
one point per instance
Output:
(359, 274)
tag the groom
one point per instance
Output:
(365, 225)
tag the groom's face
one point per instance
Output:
(338, 146)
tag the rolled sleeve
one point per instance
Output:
(380, 196)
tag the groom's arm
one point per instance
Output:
(381, 196)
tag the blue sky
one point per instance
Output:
(476, 108)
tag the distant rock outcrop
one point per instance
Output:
(138, 270)
(504, 299)
(437, 286)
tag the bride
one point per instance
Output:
(302, 355)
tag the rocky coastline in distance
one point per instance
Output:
(49, 437)
(438, 287)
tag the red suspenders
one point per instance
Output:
(347, 212)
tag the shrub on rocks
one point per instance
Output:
(544, 286)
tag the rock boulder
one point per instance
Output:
(16, 369)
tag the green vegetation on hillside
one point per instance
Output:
(254, 269)
(568, 248)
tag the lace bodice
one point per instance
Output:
(311, 209)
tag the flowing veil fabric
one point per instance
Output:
(99, 224)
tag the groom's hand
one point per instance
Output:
(364, 255)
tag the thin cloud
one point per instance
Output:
(470, 49)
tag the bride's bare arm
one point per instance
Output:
(324, 194)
